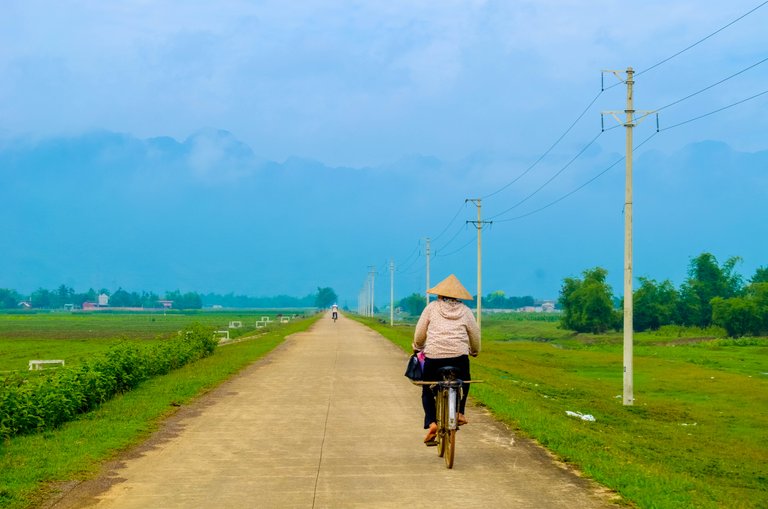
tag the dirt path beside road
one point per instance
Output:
(327, 420)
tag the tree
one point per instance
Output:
(122, 298)
(9, 299)
(325, 297)
(707, 280)
(761, 275)
(41, 298)
(737, 315)
(587, 303)
(189, 300)
(414, 304)
(747, 315)
(654, 304)
(64, 295)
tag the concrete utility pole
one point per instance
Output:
(372, 276)
(479, 225)
(628, 396)
(427, 290)
(391, 293)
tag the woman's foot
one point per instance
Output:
(431, 433)
(461, 420)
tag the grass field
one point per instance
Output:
(697, 435)
(31, 465)
(76, 336)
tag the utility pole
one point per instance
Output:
(479, 225)
(427, 290)
(628, 398)
(391, 293)
(372, 277)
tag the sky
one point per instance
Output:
(483, 88)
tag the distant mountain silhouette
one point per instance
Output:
(208, 214)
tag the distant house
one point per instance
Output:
(166, 304)
(90, 306)
(103, 300)
(25, 304)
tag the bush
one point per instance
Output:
(34, 403)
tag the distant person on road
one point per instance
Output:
(448, 334)
(334, 312)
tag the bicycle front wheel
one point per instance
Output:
(449, 439)
(441, 404)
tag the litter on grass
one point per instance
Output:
(583, 417)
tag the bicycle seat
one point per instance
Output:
(448, 372)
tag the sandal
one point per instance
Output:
(461, 420)
(431, 434)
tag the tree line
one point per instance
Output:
(712, 294)
(415, 303)
(64, 295)
(323, 298)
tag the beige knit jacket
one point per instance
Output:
(447, 328)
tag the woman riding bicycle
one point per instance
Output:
(448, 334)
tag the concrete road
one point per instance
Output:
(328, 421)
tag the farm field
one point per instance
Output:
(697, 435)
(32, 464)
(77, 336)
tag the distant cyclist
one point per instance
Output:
(334, 312)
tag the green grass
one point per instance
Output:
(697, 435)
(76, 336)
(30, 464)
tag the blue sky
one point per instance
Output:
(367, 84)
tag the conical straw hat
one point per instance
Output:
(451, 287)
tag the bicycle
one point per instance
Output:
(447, 397)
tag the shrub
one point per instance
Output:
(33, 403)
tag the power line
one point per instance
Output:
(550, 179)
(463, 206)
(457, 250)
(716, 111)
(585, 184)
(705, 88)
(415, 250)
(701, 40)
(661, 62)
(458, 231)
(547, 151)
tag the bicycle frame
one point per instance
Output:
(447, 397)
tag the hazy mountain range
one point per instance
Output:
(208, 214)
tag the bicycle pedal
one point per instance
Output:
(431, 443)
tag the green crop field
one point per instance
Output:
(696, 436)
(77, 336)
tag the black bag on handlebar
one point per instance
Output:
(413, 370)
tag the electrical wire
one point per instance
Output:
(715, 111)
(547, 151)
(457, 250)
(463, 206)
(661, 62)
(550, 179)
(705, 88)
(415, 251)
(654, 66)
(585, 184)
(461, 228)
